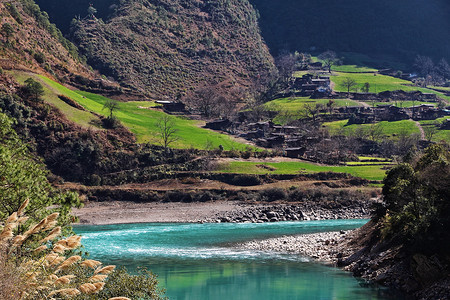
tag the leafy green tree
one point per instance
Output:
(111, 121)
(33, 89)
(23, 177)
(111, 106)
(416, 198)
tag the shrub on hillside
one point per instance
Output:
(246, 180)
(273, 194)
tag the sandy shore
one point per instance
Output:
(118, 212)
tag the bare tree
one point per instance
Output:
(443, 69)
(366, 87)
(424, 64)
(285, 64)
(430, 131)
(167, 131)
(312, 110)
(216, 100)
(375, 132)
(331, 105)
(329, 59)
(349, 84)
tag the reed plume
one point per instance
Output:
(38, 265)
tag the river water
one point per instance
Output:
(199, 262)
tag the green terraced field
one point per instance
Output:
(390, 129)
(368, 172)
(291, 108)
(353, 69)
(379, 83)
(297, 103)
(143, 123)
(51, 92)
(440, 135)
(136, 116)
(403, 103)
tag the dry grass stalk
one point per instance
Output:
(22, 220)
(12, 218)
(65, 292)
(97, 278)
(39, 275)
(6, 234)
(99, 286)
(88, 288)
(22, 207)
(64, 279)
(90, 263)
(105, 270)
(49, 225)
(69, 262)
(59, 249)
(52, 235)
(52, 217)
(36, 228)
(119, 298)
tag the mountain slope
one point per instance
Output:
(167, 48)
(28, 41)
(403, 28)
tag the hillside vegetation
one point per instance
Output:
(140, 117)
(167, 49)
(386, 28)
(29, 41)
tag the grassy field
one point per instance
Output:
(143, 123)
(368, 172)
(389, 129)
(440, 135)
(297, 103)
(353, 69)
(403, 103)
(83, 118)
(441, 88)
(291, 108)
(379, 83)
(134, 115)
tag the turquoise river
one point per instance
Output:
(201, 262)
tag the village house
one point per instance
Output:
(172, 106)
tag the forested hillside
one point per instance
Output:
(171, 48)
(402, 28)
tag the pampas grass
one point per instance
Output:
(90, 263)
(37, 266)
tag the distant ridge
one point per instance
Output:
(402, 28)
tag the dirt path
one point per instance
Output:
(422, 132)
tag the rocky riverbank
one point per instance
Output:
(386, 263)
(320, 246)
(283, 212)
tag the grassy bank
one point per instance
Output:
(370, 172)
